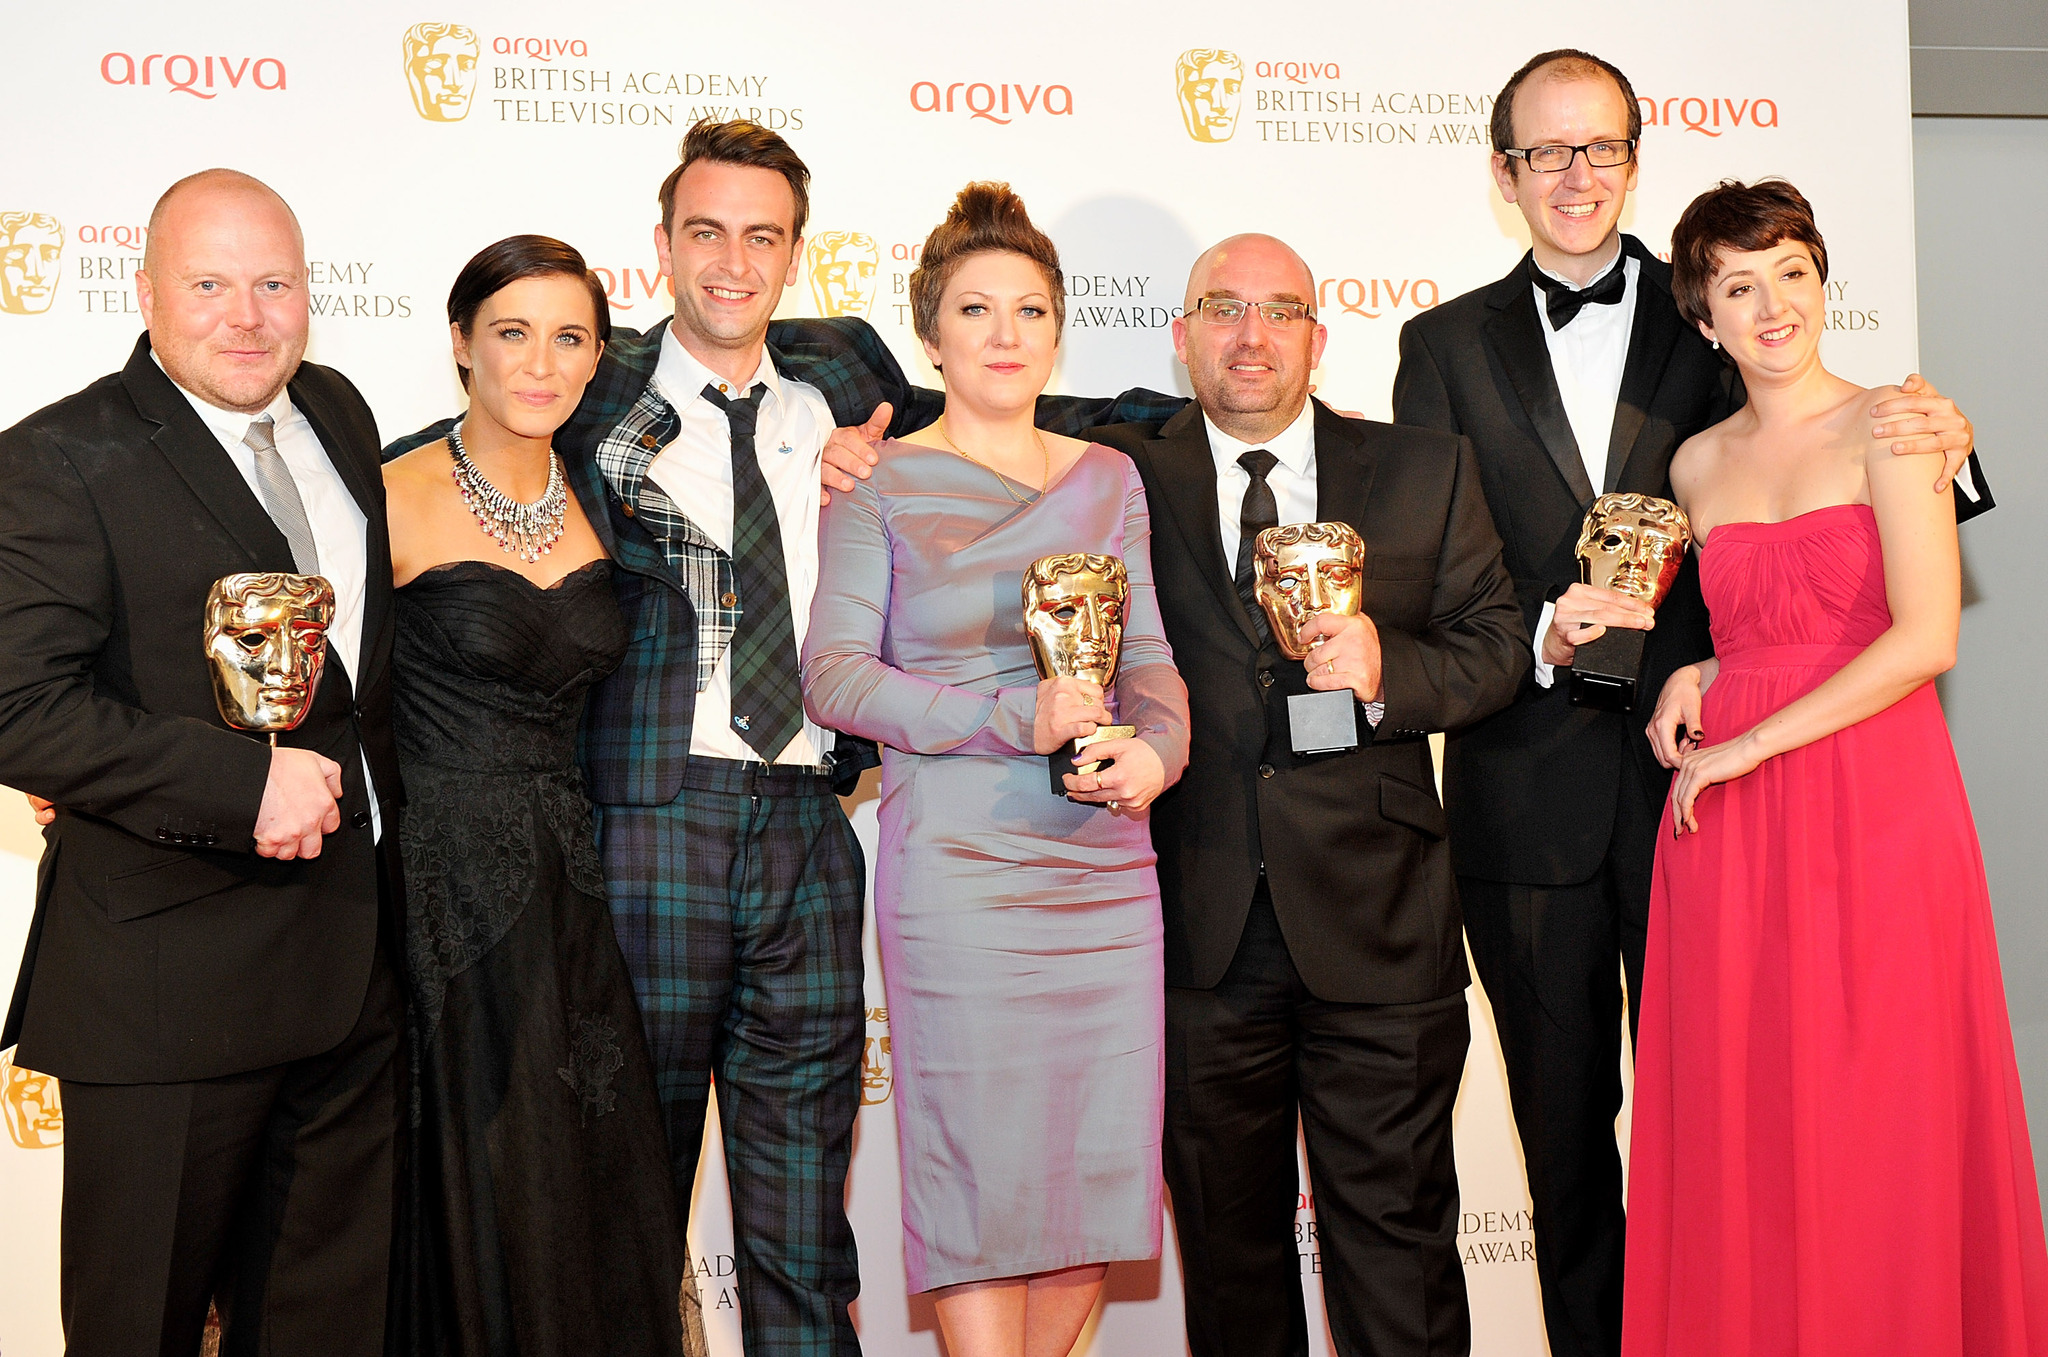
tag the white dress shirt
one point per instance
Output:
(1292, 480)
(1588, 357)
(337, 521)
(695, 471)
(1293, 477)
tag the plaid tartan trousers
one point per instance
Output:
(736, 895)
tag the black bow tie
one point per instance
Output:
(1564, 302)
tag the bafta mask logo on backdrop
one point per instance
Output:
(440, 70)
(843, 267)
(32, 1107)
(1210, 85)
(877, 1077)
(31, 258)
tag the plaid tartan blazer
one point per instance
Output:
(636, 729)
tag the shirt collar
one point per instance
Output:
(681, 378)
(232, 425)
(1294, 446)
(1619, 255)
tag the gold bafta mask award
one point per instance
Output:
(1632, 544)
(266, 636)
(1209, 84)
(1300, 570)
(31, 261)
(1074, 613)
(843, 265)
(440, 70)
(31, 1105)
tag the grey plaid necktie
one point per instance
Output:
(280, 495)
(767, 697)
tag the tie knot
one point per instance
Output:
(262, 435)
(1564, 302)
(737, 407)
(1258, 463)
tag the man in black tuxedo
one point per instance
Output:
(205, 971)
(1572, 376)
(1313, 958)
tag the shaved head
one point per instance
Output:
(1268, 250)
(222, 289)
(214, 183)
(1252, 376)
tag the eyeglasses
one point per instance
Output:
(1277, 315)
(1557, 159)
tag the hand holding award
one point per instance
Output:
(1074, 612)
(1634, 545)
(1301, 570)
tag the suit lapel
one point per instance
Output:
(1653, 334)
(1344, 470)
(204, 465)
(1516, 334)
(1187, 481)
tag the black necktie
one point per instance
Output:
(767, 691)
(1564, 302)
(1259, 512)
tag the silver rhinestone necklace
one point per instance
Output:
(529, 530)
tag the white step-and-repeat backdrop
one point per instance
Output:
(409, 133)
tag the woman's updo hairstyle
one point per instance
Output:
(987, 218)
(1739, 217)
(515, 257)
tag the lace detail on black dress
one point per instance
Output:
(492, 673)
(594, 1057)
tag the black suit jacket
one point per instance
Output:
(1352, 844)
(1532, 792)
(162, 948)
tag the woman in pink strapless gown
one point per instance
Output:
(1829, 1152)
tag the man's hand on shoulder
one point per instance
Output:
(850, 451)
(301, 803)
(1921, 419)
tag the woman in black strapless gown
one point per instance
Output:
(541, 1219)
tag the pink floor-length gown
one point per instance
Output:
(1829, 1152)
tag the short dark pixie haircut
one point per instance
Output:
(738, 142)
(1741, 217)
(987, 218)
(1572, 65)
(511, 259)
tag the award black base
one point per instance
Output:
(1317, 721)
(1063, 761)
(1605, 670)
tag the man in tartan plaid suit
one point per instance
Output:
(734, 877)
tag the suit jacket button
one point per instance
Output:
(361, 819)
(164, 834)
(1265, 770)
(1265, 678)
(209, 840)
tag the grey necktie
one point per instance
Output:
(281, 495)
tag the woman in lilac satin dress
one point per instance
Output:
(1020, 931)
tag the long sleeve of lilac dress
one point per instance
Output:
(1019, 931)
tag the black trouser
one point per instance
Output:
(1552, 960)
(1373, 1086)
(268, 1192)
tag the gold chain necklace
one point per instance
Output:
(1045, 477)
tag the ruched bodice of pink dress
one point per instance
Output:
(1829, 1153)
